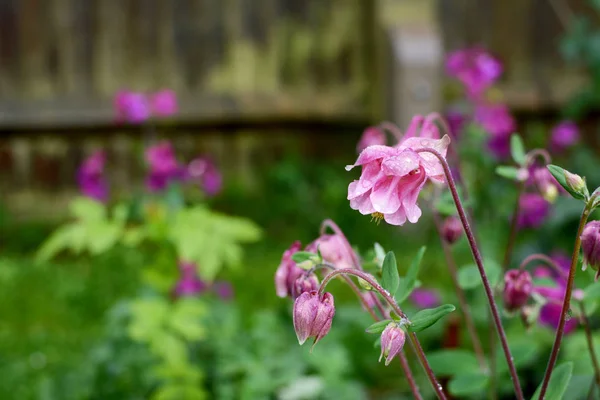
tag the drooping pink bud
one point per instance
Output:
(287, 272)
(518, 286)
(370, 137)
(334, 250)
(590, 245)
(313, 314)
(452, 230)
(305, 283)
(392, 342)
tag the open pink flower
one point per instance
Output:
(392, 178)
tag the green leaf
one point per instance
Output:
(524, 350)
(453, 362)
(425, 318)
(185, 319)
(591, 297)
(558, 382)
(468, 384)
(301, 256)
(409, 282)
(378, 327)
(379, 254)
(469, 277)
(517, 149)
(86, 209)
(508, 172)
(389, 274)
(561, 177)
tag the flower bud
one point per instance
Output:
(392, 341)
(305, 283)
(546, 184)
(313, 314)
(576, 182)
(287, 272)
(518, 286)
(333, 249)
(590, 245)
(452, 230)
(371, 136)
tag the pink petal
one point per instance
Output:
(373, 153)
(371, 173)
(397, 218)
(385, 197)
(410, 187)
(363, 204)
(414, 127)
(401, 164)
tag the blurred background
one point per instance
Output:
(276, 94)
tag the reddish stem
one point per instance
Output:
(479, 262)
(542, 257)
(566, 302)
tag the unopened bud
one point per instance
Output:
(518, 286)
(313, 314)
(452, 230)
(576, 182)
(287, 272)
(305, 283)
(546, 183)
(392, 342)
(590, 245)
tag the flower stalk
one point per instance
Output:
(479, 262)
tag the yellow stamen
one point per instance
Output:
(377, 217)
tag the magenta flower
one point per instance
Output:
(425, 298)
(189, 284)
(223, 289)
(333, 249)
(287, 272)
(164, 103)
(590, 245)
(554, 295)
(534, 210)
(305, 283)
(563, 136)
(392, 342)
(90, 177)
(164, 167)
(313, 314)
(518, 286)
(204, 171)
(371, 136)
(474, 68)
(456, 122)
(131, 107)
(392, 178)
(499, 123)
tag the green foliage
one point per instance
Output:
(453, 362)
(558, 382)
(378, 326)
(390, 279)
(517, 149)
(425, 318)
(409, 281)
(471, 384)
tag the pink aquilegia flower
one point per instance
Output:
(164, 103)
(373, 135)
(475, 68)
(534, 210)
(392, 178)
(518, 286)
(288, 272)
(563, 136)
(131, 107)
(392, 342)
(204, 171)
(189, 284)
(333, 249)
(164, 167)
(90, 177)
(313, 314)
(590, 246)
(452, 229)
(425, 298)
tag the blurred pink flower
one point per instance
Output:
(534, 210)
(392, 178)
(425, 298)
(563, 136)
(371, 136)
(204, 171)
(131, 107)
(288, 272)
(90, 177)
(164, 103)
(475, 68)
(333, 249)
(496, 120)
(189, 284)
(164, 167)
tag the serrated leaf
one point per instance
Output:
(301, 256)
(378, 326)
(508, 172)
(468, 384)
(425, 318)
(558, 382)
(409, 282)
(560, 176)
(390, 279)
(517, 149)
(453, 362)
